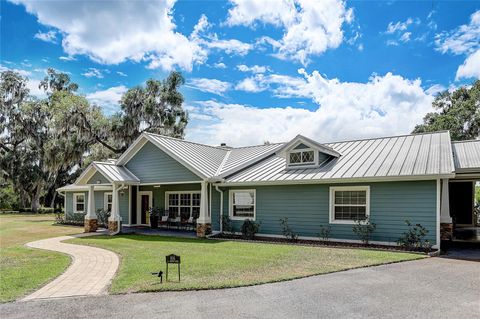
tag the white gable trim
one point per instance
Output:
(138, 145)
(300, 139)
(88, 173)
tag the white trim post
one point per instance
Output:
(91, 217)
(204, 225)
(114, 219)
(445, 225)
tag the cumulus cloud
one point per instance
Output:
(310, 27)
(209, 85)
(49, 36)
(470, 68)
(385, 105)
(93, 73)
(219, 65)
(108, 99)
(249, 85)
(111, 32)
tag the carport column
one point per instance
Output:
(446, 226)
(91, 217)
(204, 226)
(114, 219)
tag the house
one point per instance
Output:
(388, 180)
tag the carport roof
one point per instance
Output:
(466, 156)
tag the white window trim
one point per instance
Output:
(167, 204)
(347, 188)
(230, 203)
(74, 208)
(307, 164)
(105, 200)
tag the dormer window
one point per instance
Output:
(304, 157)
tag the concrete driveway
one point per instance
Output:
(429, 288)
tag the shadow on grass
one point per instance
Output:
(153, 238)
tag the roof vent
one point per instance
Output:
(223, 144)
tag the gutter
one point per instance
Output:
(221, 207)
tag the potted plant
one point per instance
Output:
(154, 213)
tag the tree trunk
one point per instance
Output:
(36, 199)
(52, 202)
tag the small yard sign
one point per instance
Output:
(172, 259)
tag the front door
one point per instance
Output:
(144, 203)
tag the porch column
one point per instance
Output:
(446, 226)
(204, 226)
(91, 217)
(114, 219)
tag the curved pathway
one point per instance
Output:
(90, 273)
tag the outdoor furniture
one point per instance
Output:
(191, 223)
(174, 222)
(163, 221)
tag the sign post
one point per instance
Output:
(172, 259)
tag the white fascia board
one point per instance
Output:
(88, 173)
(132, 150)
(341, 180)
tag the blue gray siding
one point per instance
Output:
(98, 177)
(159, 192)
(307, 207)
(152, 165)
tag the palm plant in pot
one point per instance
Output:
(154, 213)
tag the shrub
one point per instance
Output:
(325, 232)
(102, 217)
(227, 225)
(249, 229)
(75, 219)
(413, 238)
(364, 229)
(287, 231)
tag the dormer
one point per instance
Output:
(302, 152)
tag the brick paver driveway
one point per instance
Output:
(90, 273)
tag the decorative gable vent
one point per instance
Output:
(302, 152)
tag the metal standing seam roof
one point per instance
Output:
(466, 155)
(410, 155)
(115, 173)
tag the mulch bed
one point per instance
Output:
(305, 242)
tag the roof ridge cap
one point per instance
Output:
(225, 159)
(185, 141)
(388, 136)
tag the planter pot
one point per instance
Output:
(153, 221)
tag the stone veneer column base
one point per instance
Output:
(91, 225)
(113, 226)
(204, 230)
(446, 231)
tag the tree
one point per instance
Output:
(457, 111)
(155, 108)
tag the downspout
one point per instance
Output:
(119, 228)
(221, 207)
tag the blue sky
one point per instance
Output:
(257, 70)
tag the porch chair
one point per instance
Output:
(163, 221)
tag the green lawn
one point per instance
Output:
(216, 264)
(23, 269)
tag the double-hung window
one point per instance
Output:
(183, 204)
(79, 203)
(349, 203)
(107, 202)
(242, 204)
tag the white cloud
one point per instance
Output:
(398, 26)
(32, 83)
(93, 73)
(310, 27)
(385, 105)
(462, 40)
(253, 69)
(471, 67)
(67, 58)
(219, 65)
(209, 85)
(108, 99)
(49, 36)
(249, 85)
(121, 73)
(405, 37)
(111, 32)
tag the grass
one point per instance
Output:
(23, 269)
(217, 264)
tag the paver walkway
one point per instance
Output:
(90, 273)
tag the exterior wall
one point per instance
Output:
(99, 203)
(152, 165)
(98, 177)
(307, 207)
